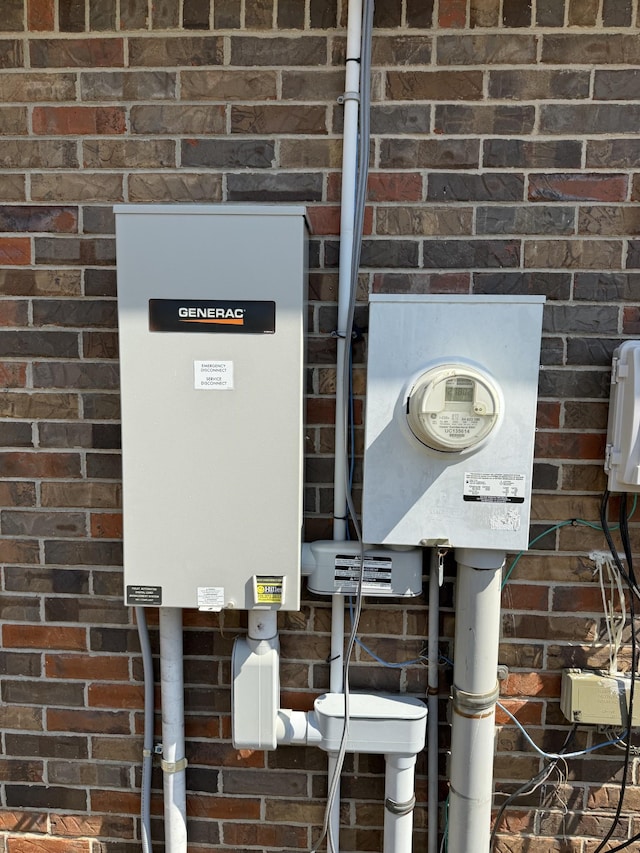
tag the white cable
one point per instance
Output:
(614, 621)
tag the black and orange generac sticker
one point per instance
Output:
(212, 316)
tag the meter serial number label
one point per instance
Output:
(376, 575)
(455, 424)
(495, 488)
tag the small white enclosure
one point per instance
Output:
(450, 420)
(211, 315)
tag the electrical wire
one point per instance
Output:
(346, 367)
(614, 624)
(445, 834)
(631, 581)
(554, 755)
(390, 665)
(532, 784)
(571, 521)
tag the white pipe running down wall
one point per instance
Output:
(475, 692)
(347, 221)
(173, 757)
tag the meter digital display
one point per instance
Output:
(458, 391)
(453, 407)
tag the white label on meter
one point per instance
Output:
(376, 576)
(213, 375)
(495, 488)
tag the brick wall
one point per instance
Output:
(505, 160)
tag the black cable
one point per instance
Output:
(604, 524)
(535, 780)
(630, 579)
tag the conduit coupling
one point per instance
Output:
(474, 704)
(400, 808)
(174, 766)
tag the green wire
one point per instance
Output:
(580, 521)
(446, 825)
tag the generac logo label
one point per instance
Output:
(244, 317)
(221, 316)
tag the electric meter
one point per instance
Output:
(453, 407)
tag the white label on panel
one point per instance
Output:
(495, 488)
(210, 598)
(376, 575)
(213, 375)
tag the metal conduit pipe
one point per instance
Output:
(347, 220)
(147, 742)
(173, 759)
(475, 692)
(432, 703)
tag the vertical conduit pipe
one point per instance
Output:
(173, 758)
(147, 745)
(475, 692)
(432, 703)
(399, 802)
(347, 220)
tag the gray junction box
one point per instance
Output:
(450, 420)
(211, 302)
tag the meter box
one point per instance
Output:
(450, 420)
(211, 318)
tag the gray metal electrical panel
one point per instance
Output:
(211, 302)
(450, 421)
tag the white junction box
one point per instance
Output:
(378, 723)
(211, 302)
(450, 420)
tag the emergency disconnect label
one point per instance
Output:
(213, 375)
(149, 596)
(495, 488)
(376, 575)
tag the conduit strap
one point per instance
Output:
(348, 96)
(400, 808)
(174, 766)
(475, 702)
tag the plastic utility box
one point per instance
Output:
(450, 420)
(211, 302)
(622, 457)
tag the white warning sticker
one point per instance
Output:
(376, 575)
(495, 488)
(210, 598)
(213, 375)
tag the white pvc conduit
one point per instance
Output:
(147, 745)
(475, 692)
(173, 758)
(347, 221)
(432, 702)
(399, 801)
